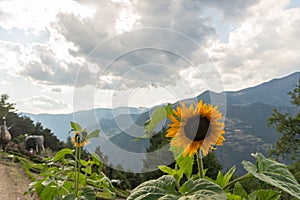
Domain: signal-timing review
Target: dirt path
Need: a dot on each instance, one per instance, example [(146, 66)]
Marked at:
[(13, 181)]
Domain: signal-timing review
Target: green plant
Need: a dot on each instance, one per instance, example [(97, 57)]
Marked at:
[(174, 186), (68, 177)]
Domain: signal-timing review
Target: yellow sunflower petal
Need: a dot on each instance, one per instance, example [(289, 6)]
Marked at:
[(181, 139)]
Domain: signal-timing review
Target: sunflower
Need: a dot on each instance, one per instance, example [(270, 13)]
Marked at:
[(196, 128), (79, 140)]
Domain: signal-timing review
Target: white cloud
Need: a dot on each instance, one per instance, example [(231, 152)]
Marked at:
[(265, 44), (119, 57), (35, 16), (52, 44), (37, 103)]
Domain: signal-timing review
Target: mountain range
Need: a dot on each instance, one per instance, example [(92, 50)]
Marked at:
[(246, 127)]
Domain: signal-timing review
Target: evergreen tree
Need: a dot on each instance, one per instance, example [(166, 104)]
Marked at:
[(288, 125), (21, 125), (5, 107)]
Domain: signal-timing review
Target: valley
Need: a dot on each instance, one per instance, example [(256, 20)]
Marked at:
[(246, 127)]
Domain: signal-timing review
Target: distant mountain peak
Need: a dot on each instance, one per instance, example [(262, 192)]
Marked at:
[(273, 92)]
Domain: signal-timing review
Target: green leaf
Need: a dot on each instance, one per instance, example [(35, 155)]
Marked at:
[(82, 179), (94, 134), (185, 164), (273, 173), (87, 170), (84, 163), (155, 189), (164, 188), (106, 195), (70, 197), (39, 187), (239, 190), (264, 195), (169, 109), (167, 170), (50, 192), (229, 174), (223, 180), (61, 154), (88, 193), (75, 126), (158, 115), (233, 197), (67, 185), (202, 189), (97, 161)]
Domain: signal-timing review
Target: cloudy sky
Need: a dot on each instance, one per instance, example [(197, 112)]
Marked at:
[(63, 56)]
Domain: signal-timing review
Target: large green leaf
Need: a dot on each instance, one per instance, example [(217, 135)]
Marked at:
[(202, 189), (61, 154), (158, 115), (155, 189), (273, 173), (164, 188), (185, 164), (264, 195)]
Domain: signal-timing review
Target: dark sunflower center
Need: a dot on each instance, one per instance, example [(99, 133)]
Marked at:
[(196, 128)]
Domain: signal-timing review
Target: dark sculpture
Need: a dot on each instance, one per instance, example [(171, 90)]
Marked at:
[(5, 136), (34, 143)]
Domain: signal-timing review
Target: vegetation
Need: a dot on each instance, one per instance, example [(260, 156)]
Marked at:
[(288, 125), (199, 186), (75, 174), (158, 141), (21, 125), (67, 176)]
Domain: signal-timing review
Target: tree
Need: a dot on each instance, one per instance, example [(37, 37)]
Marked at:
[(5, 107), (288, 125), (21, 125)]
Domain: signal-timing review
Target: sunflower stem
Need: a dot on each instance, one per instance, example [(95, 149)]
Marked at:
[(200, 164), (77, 169)]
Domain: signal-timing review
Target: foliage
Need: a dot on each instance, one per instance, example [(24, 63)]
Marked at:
[(159, 114), (294, 169), (273, 173), (67, 176), (165, 188), (26, 166), (21, 125), (128, 180), (266, 170), (5, 107), (288, 125), (59, 177), (180, 183)]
